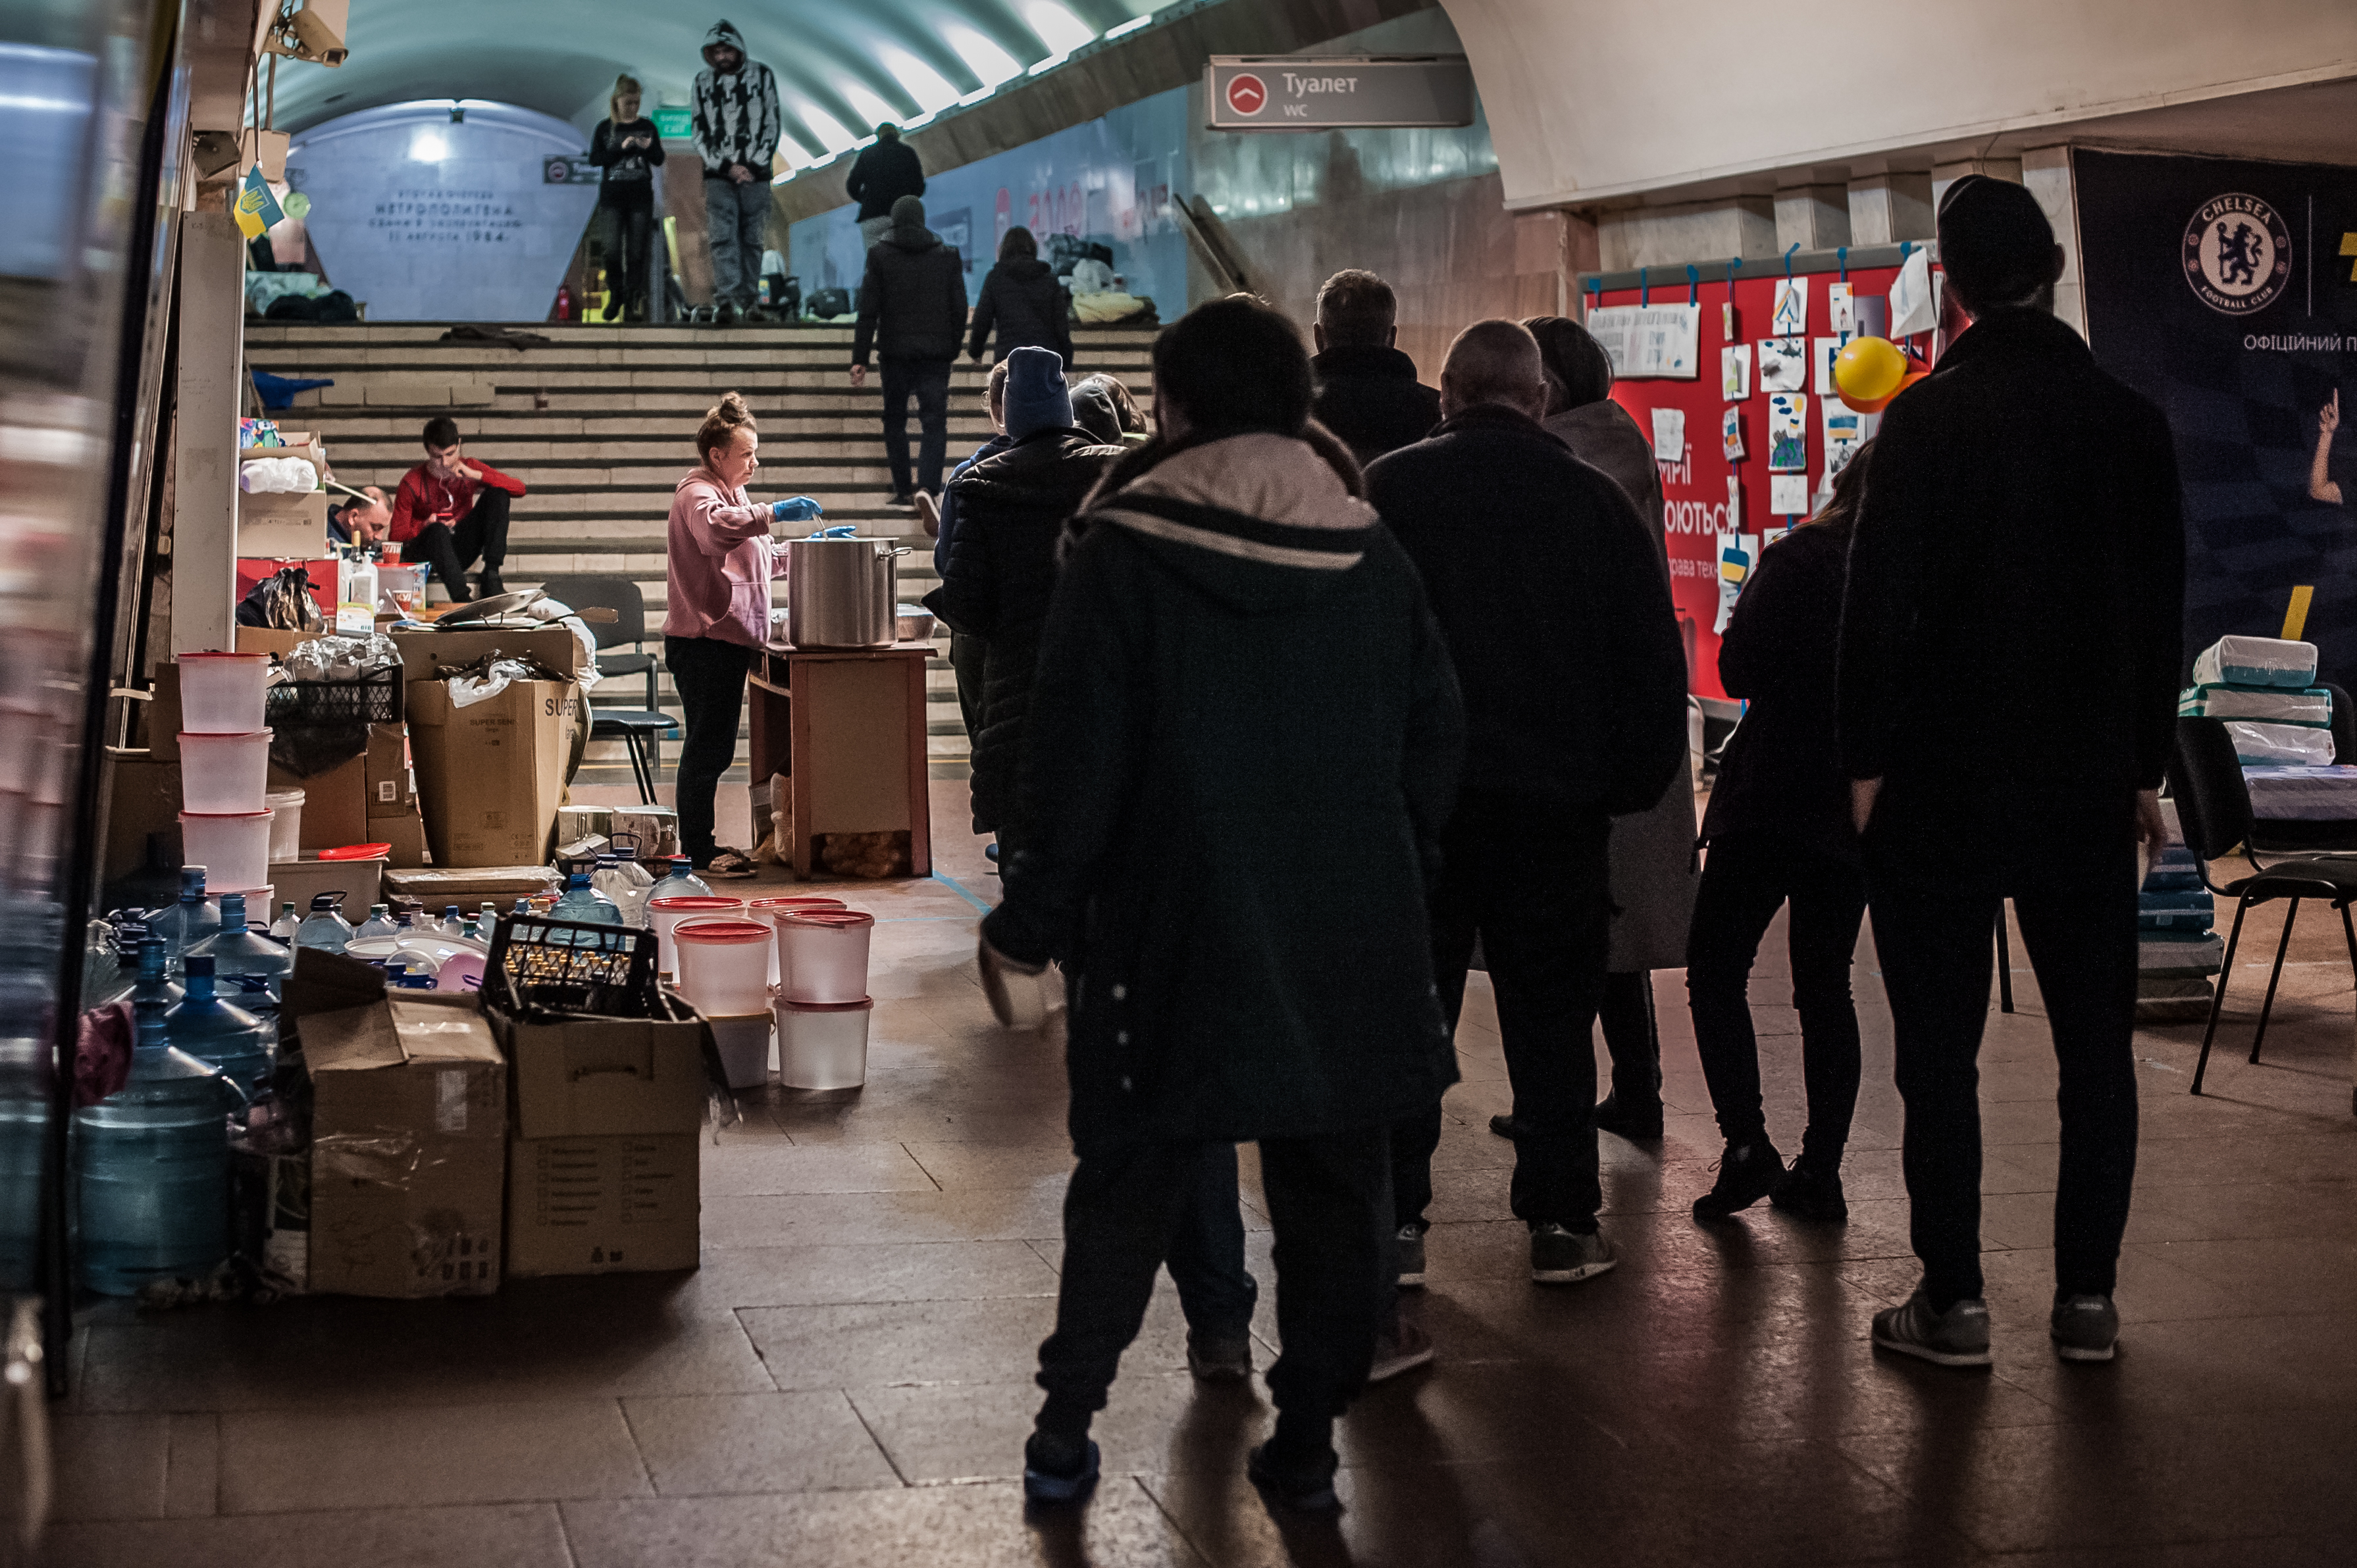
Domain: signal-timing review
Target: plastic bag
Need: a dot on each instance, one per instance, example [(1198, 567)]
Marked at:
[(2280, 746), (2256, 661), (466, 691), (277, 476)]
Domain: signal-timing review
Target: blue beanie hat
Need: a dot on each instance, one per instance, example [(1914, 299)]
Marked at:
[(1036, 397)]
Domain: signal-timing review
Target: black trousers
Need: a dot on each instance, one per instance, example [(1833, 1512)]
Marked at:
[(966, 654), (1625, 1016), (1130, 1209), (927, 381), (633, 232), (1744, 882), (709, 675), (1935, 907), (481, 534)]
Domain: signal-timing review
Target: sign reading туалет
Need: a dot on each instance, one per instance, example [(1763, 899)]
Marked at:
[(1285, 92)]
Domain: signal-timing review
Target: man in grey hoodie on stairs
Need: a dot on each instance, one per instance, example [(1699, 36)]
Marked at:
[(736, 128)]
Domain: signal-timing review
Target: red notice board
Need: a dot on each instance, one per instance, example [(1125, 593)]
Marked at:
[(1694, 491)]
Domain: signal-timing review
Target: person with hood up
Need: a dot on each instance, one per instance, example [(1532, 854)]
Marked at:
[(1367, 390), (1574, 697), (1243, 742), (1023, 302), (885, 171), (736, 130), (912, 314)]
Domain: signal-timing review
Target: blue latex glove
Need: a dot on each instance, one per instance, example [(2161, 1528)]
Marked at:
[(840, 531), (799, 508)]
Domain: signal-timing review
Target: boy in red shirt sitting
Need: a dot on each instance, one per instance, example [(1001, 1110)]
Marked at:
[(452, 510)]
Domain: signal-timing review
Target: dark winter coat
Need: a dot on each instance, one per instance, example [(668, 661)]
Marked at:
[(1370, 397), (627, 179), (1031, 309), (1243, 742), (1781, 774), (2012, 632), (915, 288), (997, 577), (1556, 609), (881, 175)]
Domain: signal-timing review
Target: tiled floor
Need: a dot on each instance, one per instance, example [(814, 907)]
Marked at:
[(845, 1380)]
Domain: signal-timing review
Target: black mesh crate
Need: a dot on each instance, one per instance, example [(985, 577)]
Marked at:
[(540, 967)]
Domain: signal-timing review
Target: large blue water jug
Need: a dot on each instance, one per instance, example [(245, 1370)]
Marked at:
[(220, 1035), (250, 969), (183, 924), (151, 1170)]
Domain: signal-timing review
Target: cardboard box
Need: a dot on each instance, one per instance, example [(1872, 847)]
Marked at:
[(409, 1138), (271, 639), (426, 654), (286, 526), (335, 804), (296, 882), (593, 1078), (406, 837), (598, 1206), (391, 777), (490, 776)]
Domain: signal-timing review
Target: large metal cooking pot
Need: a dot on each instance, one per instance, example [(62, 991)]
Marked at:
[(842, 593)]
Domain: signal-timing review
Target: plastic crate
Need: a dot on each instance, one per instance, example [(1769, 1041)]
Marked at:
[(540, 968), (373, 698)]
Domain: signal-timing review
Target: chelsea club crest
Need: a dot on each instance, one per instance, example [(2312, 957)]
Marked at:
[(2237, 254)]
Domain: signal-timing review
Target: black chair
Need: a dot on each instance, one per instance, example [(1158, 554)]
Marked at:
[(2328, 837), (2214, 807), (640, 731)]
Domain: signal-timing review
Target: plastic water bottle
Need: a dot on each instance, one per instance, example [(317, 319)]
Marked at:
[(287, 924), (103, 978), (213, 1031), (154, 990), (683, 882), (324, 928), (586, 904), (629, 899), (451, 925), (634, 879), (188, 922), (379, 922), (487, 919), (151, 1169), (248, 967)]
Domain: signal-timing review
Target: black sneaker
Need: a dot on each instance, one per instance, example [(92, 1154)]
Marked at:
[(905, 501), (488, 583), (1059, 1469), (1219, 1357), (1411, 1254), (1639, 1124), (1304, 1486), (1747, 1172), (1561, 1257), (1505, 1126), (1956, 1337), (1810, 1194), (2085, 1327)]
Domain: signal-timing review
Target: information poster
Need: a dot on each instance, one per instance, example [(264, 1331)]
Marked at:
[(1646, 341)]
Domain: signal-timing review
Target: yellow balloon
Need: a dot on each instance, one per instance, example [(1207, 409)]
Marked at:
[(1870, 370)]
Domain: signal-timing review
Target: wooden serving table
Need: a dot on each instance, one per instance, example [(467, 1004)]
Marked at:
[(847, 726)]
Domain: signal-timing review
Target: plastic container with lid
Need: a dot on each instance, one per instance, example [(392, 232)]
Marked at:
[(723, 966), (225, 773), (771, 908), (822, 1045), (822, 954), (744, 1046), (221, 694), (233, 848), (664, 913), (285, 824)]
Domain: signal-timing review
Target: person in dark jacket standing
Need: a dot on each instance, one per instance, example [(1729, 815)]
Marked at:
[(628, 149), (884, 172), (1367, 390), (1575, 714), (1011, 508), (1023, 301), (912, 312), (1244, 741), (940, 520), (1778, 831), (735, 129), (2010, 647)]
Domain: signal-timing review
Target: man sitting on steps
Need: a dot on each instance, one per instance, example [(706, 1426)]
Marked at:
[(452, 510)]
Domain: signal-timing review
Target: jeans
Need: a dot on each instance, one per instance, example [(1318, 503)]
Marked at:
[(737, 219), (1936, 907), (633, 233), (709, 676), (1129, 1209), (928, 380), (1744, 882), (481, 534)]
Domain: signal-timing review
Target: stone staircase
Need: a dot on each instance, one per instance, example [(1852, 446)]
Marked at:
[(600, 425)]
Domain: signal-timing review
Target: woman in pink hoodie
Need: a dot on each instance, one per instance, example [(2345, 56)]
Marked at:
[(721, 559)]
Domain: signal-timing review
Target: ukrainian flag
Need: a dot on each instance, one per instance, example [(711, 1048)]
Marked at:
[(256, 209)]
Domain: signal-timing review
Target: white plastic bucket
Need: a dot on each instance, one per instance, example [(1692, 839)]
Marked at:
[(744, 1044), (824, 955), (220, 774), (822, 1045), (771, 908), (234, 849), (722, 969), (665, 914), (221, 694), (286, 823)]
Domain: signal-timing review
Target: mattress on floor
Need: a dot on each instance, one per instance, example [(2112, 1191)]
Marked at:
[(2302, 794)]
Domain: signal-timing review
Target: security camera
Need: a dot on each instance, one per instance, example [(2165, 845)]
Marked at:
[(315, 33)]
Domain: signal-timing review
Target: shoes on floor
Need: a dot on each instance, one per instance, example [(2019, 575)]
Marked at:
[(1956, 1337), (488, 583), (1637, 1124), (1806, 1193), (1561, 1257), (1059, 1469), (1505, 1126), (734, 865), (2085, 1327), (725, 316), (1411, 1254), (1304, 1486), (1399, 1348), (929, 512), (903, 500), (1219, 1357), (1747, 1172)]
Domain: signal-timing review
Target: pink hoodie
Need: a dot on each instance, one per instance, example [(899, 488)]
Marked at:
[(721, 560)]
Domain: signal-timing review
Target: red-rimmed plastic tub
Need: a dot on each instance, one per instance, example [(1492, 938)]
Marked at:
[(664, 913), (221, 694), (822, 1045), (771, 908), (233, 847), (225, 774), (822, 955), (722, 967)]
